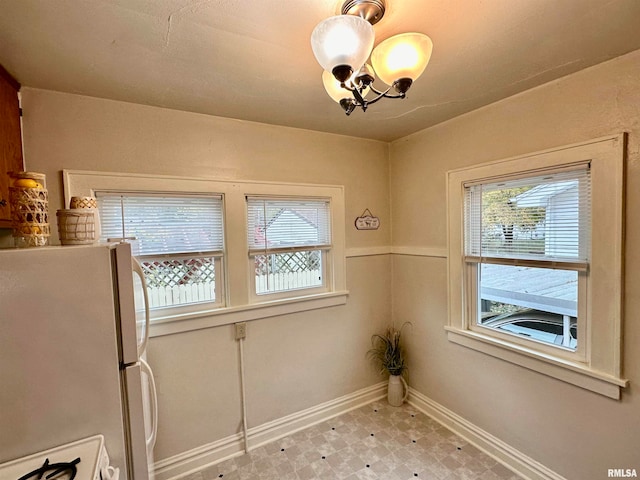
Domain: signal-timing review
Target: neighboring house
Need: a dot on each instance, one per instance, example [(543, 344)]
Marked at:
[(288, 228), (288, 235), (560, 200)]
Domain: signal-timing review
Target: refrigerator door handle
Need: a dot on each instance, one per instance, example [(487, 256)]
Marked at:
[(137, 268), (137, 456), (153, 394)]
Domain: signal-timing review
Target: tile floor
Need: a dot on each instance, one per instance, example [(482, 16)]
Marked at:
[(376, 441)]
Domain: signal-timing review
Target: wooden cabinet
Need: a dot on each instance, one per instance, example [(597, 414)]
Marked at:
[(10, 140)]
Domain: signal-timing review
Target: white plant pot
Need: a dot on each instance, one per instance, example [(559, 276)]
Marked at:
[(398, 391)]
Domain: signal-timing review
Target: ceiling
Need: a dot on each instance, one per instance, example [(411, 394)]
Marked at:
[(252, 59)]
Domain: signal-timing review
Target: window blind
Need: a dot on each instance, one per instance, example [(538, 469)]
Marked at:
[(546, 218), (287, 224), (163, 223)]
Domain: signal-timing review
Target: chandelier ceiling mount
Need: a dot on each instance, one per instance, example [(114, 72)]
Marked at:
[(371, 10)]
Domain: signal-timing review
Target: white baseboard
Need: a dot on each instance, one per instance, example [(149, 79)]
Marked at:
[(511, 458), (177, 466)]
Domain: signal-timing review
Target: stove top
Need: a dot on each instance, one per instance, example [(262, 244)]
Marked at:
[(81, 460)]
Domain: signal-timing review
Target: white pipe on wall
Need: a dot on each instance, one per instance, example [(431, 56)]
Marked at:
[(243, 396)]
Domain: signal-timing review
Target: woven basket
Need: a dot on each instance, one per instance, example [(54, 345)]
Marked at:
[(29, 216), (83, 202), (77, 226)]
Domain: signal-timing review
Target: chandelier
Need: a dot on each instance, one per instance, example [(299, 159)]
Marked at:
[(342, 44)]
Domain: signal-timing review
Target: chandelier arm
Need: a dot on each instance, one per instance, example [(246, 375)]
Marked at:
[(380, 95), (385, 94), (374, 100), (360, 99), (400, 95), (376, 91)]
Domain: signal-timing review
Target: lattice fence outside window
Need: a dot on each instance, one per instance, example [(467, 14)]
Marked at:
[(289, 270), (289, 262), (179, 281)]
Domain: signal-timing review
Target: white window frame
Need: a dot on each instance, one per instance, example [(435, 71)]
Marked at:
[(238, 303), (471, 274), (597, 365), (327, 264), (184, 309)]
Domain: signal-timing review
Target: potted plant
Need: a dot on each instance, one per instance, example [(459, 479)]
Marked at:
[(388, 353)]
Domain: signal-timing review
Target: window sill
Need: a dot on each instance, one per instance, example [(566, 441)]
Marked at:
[(571, 372), (173, 324)]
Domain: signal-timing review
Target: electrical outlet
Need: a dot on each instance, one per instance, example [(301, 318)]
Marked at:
[(241, 330)]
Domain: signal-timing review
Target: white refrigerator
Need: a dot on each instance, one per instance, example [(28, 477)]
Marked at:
[(70, 354)]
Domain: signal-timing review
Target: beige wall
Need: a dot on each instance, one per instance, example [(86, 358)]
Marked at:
[(574, 432), (84, 133), (293, 362)]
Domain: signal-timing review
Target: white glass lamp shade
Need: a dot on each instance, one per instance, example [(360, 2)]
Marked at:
[(335, 90), (342, 40), (401, 56)]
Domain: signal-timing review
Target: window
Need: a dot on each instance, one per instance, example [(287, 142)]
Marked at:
[(526, 254), (289, 240), (533, 241), (290, 259), (178, 240)]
